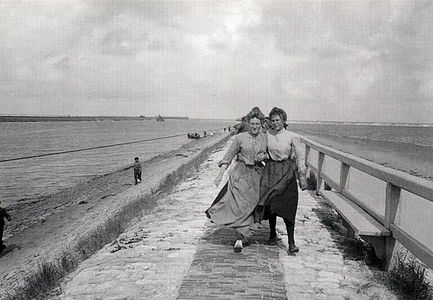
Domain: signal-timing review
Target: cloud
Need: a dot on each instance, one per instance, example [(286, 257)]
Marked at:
[(319, 60)]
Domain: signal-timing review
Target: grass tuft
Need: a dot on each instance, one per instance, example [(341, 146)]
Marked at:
[(407, 278)]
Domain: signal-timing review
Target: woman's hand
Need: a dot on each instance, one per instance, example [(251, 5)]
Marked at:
[(303, 182), (262, 157), (217, 180)]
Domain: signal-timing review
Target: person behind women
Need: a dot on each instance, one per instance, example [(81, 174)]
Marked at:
[(235, 204), (279, 191)]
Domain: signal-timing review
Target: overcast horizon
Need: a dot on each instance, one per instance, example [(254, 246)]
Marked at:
[(365, 61)]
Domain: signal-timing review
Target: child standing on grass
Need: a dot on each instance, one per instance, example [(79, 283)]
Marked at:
[(137, 170), (3, 214)]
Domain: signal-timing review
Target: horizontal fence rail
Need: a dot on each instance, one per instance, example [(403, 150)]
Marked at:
[(396, 182)]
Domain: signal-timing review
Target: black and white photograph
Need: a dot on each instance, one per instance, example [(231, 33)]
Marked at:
[(185, 149)]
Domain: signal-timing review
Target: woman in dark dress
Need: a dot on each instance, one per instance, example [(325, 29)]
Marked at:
[(278, 187), (236, 202)]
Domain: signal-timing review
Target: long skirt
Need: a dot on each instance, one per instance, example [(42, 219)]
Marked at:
[(279, 192), (235, 204)]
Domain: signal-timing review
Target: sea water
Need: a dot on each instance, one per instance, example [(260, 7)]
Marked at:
[(26, 180)]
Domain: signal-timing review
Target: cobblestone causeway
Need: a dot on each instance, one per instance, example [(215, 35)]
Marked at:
[(174, 252), (321, 270), (149, 260), (217, 272)]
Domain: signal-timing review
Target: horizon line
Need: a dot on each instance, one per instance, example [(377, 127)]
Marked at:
[(177, 116)]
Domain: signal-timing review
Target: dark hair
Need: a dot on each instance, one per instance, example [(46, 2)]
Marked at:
[(255, 113), (136, 158), (278, 111)]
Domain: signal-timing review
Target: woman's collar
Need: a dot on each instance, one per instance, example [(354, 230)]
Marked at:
[(274, 132), (258, 133)]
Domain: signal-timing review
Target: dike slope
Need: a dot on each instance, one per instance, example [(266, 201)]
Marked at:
[(70, 226)]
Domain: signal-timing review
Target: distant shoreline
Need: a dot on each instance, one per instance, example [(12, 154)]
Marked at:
[(82, 118), (395, 124)]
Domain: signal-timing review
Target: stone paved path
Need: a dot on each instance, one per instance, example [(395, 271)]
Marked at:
[(329, 266), (174, 252), (217, 272)]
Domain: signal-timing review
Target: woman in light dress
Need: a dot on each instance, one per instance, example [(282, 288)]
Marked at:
[(278, 189), (235, 204)]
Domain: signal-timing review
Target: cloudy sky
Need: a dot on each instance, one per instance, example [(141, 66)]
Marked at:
[(343, 61)]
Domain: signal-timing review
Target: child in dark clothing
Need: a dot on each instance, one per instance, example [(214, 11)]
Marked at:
[(3, 214), (137, 170)]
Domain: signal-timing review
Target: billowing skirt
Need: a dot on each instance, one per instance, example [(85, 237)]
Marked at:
[(279, 192), (235, 204)]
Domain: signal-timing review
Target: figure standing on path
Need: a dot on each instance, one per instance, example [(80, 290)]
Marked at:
[(3, 214), (235, 204), (137, 170), (278, 188)]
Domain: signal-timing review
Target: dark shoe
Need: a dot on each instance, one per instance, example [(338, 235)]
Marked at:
[(293, 249), (238, 246), (272, 241), (246, 242)]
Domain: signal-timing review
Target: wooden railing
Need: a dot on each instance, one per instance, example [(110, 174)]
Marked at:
[(395, 180)]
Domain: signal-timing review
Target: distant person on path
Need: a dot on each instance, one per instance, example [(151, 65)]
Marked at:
[(278, 189), (235, 204), (137, 170), (3, 215)]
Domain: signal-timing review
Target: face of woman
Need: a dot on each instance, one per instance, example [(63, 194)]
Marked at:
[(277, 122), (255, 126)]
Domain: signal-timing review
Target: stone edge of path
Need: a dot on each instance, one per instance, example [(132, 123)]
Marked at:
[(83, 241)]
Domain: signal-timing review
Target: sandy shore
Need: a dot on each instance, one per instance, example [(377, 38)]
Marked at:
[(46, 230)]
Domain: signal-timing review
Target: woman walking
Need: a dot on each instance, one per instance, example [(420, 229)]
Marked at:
[(236, 202), (279, 191)]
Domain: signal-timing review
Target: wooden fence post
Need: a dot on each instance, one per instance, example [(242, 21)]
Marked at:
[(344, 172), (391, 207), (321, 158)]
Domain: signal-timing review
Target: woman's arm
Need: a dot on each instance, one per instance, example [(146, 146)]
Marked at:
[(300, 161), (227, 159), (219, 177)]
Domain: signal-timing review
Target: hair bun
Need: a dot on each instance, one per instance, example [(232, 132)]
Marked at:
[(280, 112), (256, 113)]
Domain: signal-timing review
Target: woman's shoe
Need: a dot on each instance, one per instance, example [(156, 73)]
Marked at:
[(246, 242), (272, 241), (238, 246), (293, 249)]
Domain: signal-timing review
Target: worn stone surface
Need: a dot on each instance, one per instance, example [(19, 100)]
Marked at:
[(322, 269), (149, 260), (217, 271), (174, 252)]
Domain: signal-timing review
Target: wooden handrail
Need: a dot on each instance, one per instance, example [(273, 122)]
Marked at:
[(415, 185), (395, 181)]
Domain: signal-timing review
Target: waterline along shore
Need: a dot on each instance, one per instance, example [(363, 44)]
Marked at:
[(90, 215)]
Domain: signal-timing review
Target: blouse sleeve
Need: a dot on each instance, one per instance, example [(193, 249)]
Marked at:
[(234, 149), (300, 157)]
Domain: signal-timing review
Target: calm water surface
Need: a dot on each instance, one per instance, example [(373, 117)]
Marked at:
[(29, 179)]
